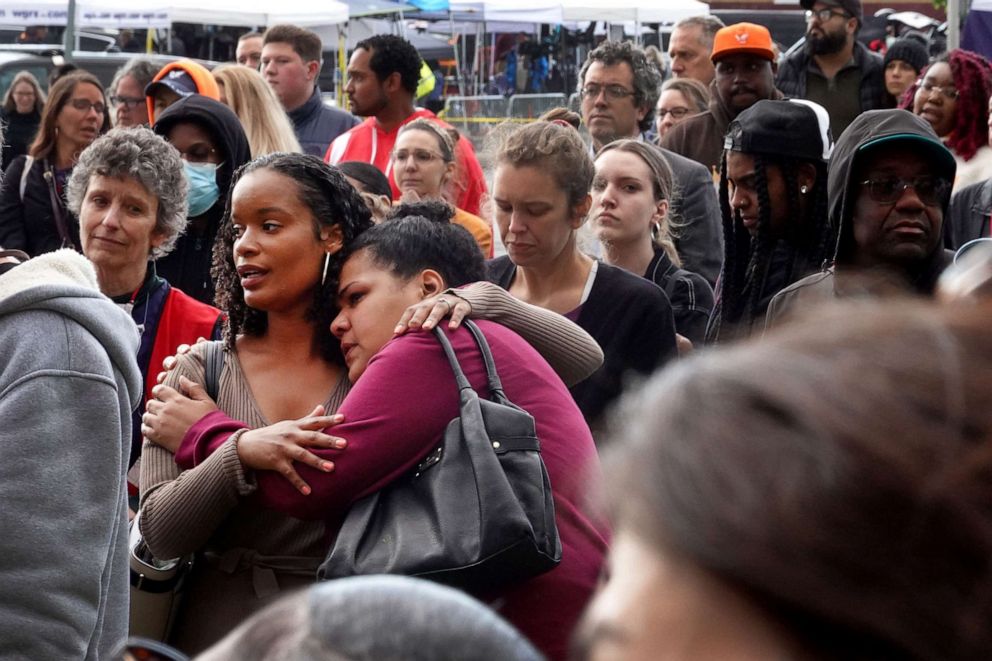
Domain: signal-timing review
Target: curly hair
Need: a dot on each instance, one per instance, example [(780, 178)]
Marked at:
[(972, 76), (333, 202), (555, 149), (39, 94), (148, 159), (647, 79), (810, 237), (393, 54), (663, 188)]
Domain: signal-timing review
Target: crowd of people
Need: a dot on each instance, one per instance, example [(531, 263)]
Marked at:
[(729, 301)]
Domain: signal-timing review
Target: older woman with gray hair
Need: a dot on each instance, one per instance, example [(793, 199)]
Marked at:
[(129, 192)]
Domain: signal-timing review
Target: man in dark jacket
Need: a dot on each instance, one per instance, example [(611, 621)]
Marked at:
[(834, 68), (291, 58), (213, 145), (620, 89), (745, 74), (889, 189), (970, 215)]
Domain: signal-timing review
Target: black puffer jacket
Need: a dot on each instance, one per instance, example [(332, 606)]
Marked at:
[(28, 223), (187, 267)]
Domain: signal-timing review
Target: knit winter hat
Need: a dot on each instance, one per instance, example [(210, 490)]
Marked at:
[(910, 51)]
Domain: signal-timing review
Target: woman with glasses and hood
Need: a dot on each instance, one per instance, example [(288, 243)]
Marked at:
[(773, 198), (890, 185), (213, 145)]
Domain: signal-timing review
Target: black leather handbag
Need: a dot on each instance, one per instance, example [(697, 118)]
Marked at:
[(476, 513)]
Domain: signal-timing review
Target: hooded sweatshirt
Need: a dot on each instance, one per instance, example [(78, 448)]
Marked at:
[(188, 265), (843, 191), (68, 383)]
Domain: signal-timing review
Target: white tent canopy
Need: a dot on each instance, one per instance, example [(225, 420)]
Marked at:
[(160, 13), (574, 11)]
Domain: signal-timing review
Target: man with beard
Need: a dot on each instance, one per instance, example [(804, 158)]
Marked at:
[(834, 69), (383, 73), (745, 74)]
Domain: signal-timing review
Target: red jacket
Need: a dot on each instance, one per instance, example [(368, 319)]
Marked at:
[(368, 143)]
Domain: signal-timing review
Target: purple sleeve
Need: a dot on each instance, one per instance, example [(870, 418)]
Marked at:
[(394, 415), (204, 437)]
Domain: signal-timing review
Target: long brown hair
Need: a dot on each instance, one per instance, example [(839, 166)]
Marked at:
[(662, 186), (840, 476), (24, 77), (58, 97)]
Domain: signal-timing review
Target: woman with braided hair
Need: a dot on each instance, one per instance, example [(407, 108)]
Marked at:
[(953, 96), (773, 197)]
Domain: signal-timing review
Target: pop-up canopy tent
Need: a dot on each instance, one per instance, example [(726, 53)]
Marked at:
[(161, 13)]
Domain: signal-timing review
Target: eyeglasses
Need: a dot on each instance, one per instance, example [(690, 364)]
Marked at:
[(823, 15), (129, 102), (947, 92), (419, 155), (84, 105), (676, 113), (888, 190), (613, 92)]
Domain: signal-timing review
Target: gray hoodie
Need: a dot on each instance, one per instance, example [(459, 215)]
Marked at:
[(68, 382)]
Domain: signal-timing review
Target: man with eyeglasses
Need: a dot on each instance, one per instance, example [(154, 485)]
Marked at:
[(833, 68), (619, 88), (889, 187), (127, 92), (745, 74)]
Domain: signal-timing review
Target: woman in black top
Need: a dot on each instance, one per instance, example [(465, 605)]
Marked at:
[(33, 214), (21, 115), (541, 195), (630, 198)]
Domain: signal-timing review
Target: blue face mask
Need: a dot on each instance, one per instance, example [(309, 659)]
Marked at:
[(203, 189)]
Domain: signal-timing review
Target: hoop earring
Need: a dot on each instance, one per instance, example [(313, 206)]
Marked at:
[(327, 263)]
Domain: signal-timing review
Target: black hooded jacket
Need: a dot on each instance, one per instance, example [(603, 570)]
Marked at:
[(870, 128), (188, 265)]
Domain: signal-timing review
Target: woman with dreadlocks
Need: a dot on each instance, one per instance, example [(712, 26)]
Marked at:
[(953, 96), (773, 198)]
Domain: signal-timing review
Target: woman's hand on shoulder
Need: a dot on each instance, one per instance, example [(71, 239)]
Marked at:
[(170, 414), (169, 362), (278, 446), (426, 314)]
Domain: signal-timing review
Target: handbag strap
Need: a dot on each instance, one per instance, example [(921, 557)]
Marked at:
[(57, 210), (213, 364), (495, 386)]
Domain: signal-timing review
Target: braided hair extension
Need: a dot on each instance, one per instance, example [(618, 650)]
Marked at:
[(332, 202), (972, 75), (762, 246), (747, 259)]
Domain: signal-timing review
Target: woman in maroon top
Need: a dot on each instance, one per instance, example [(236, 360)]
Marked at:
[(391, 267)]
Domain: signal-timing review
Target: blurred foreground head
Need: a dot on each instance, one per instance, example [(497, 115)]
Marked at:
[(381, 618), (824, 492)]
